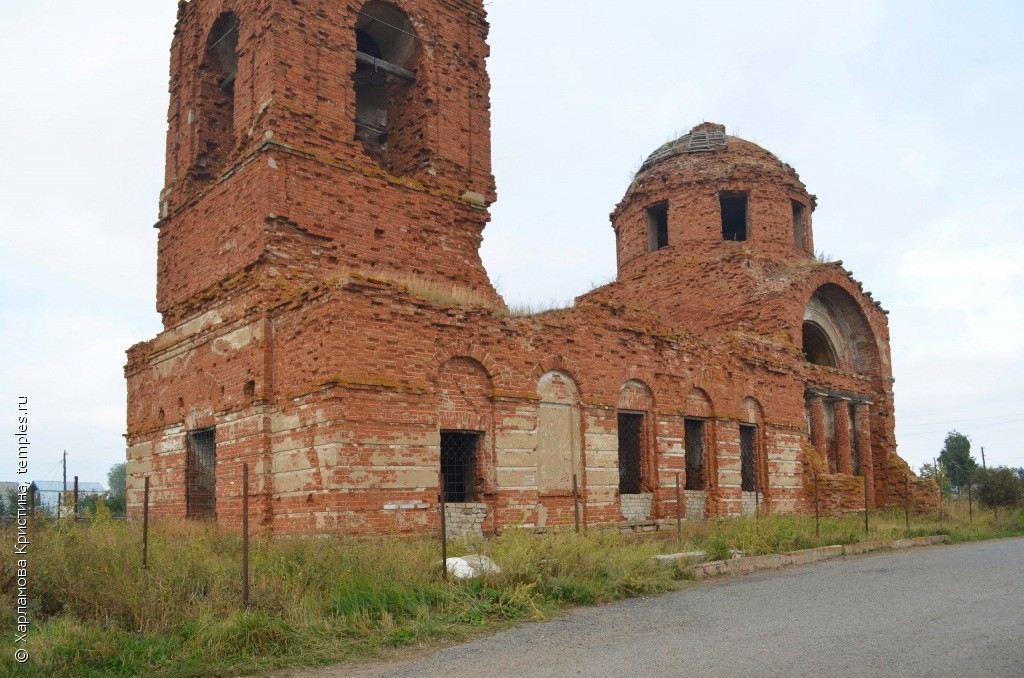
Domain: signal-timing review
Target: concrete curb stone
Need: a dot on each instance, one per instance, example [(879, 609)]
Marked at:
[(804, 557)]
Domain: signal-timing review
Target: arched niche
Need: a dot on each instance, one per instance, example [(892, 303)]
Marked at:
[(464, 401), (388, 117), (752, 453), (697, 439), (635, 443), (215, 107), (836, 333), (558, 432)]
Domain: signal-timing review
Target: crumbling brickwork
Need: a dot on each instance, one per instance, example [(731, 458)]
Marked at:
[(327, 317)]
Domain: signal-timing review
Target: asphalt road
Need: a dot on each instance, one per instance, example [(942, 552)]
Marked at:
[(937, 611)]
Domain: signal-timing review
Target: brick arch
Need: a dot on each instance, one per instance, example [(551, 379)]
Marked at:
[(464, 390), (699, 404), (751, 411), (833, 310), (560, 363), (860, 303), (495, 372), (636, 395)]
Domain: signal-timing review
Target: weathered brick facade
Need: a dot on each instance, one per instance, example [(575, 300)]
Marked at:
[(328, 320)]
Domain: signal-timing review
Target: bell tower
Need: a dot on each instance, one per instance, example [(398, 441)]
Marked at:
[(308, 140)]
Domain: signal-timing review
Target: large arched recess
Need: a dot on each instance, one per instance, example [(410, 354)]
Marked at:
[(836, 333)]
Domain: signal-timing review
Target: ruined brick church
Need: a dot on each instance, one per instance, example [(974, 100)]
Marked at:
[(328, 320)]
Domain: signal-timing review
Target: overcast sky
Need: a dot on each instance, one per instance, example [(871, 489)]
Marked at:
[(902, 117)]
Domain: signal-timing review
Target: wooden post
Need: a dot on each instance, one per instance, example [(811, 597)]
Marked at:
[(59, 498), (245, 535), (76, 498), (145, 524), (444, 533), (576, 503), (906, 499), (817, 507)]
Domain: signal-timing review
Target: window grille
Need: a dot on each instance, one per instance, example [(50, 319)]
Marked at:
[(458, 465), (631, 426), (201, 475), (694, 454), (748, 465)]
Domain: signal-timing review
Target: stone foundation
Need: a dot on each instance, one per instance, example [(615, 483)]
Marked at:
[(636, 507)]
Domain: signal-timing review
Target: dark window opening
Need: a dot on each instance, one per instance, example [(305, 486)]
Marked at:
[(201, 475), (215, 114), (458, 465), (734, 216), (631, 444), (818, 348), (748, 465), (657, 227), (798, 225), (385, 43), (694, 454)]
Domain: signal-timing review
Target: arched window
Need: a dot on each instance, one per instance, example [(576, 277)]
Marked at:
[(385, 45), (215, 109)]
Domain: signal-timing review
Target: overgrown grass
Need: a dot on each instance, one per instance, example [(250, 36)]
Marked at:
[(318, 600)]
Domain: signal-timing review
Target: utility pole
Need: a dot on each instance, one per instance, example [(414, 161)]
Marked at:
[(983, 457), (65, 470)]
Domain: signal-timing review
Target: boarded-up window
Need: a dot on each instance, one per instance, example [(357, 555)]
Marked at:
[(201, 474), (458, 465), (555, 445), (748, 446), (630, 452), (694, 454), (558, 425)]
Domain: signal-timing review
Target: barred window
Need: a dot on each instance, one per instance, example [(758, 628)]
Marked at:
[(458, 465), (748, 464), (201, 474), (694, 454)]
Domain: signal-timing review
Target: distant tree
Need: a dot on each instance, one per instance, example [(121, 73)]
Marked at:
[(956, 460), (936, 474), (9, 504), (117, 481), (998, 486)]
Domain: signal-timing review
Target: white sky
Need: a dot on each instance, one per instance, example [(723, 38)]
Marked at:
[(903, 117)]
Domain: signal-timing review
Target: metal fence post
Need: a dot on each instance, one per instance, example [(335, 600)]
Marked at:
[(576, 503), (679, 508), (444, 532), (145, 524), (76, 498), (970, 503), (245, 535), (866, 529), (817, 507), (906, 499)]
